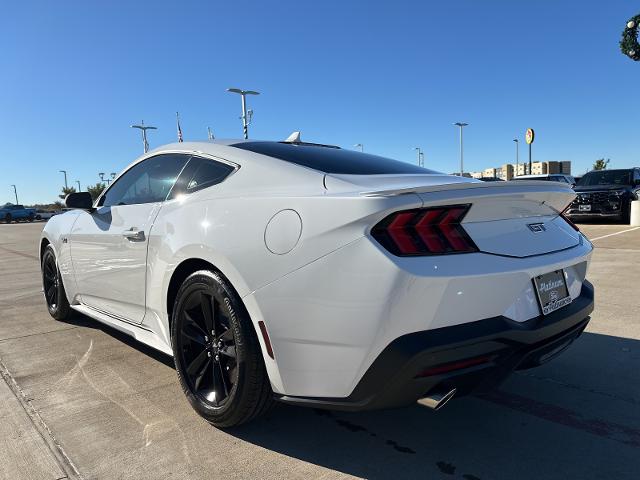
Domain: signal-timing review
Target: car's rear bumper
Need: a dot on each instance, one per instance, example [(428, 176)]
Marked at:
[(485, 352)]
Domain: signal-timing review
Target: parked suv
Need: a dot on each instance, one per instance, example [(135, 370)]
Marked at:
[(606, 193)]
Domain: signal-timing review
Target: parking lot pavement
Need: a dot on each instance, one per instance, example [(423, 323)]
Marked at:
[(114, 408)]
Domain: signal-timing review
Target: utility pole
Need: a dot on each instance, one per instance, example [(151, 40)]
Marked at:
[(421, 163), (142, 127), (360, 146), (79, 188), (209, 133), (517, 155), (246, 115), (65, 178), (15, 192), (461, 125)]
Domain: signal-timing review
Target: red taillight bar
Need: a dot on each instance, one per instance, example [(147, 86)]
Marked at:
[(425, 231)]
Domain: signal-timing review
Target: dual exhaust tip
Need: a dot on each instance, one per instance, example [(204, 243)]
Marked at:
[(438, 399)]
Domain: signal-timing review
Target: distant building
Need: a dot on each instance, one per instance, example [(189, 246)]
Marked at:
[(509, 170)]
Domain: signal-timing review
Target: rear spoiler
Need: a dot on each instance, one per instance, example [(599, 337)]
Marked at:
[(437, 189)]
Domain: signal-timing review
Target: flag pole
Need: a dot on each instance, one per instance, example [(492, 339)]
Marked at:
[(180, 139)]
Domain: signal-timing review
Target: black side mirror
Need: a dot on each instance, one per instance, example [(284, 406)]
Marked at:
[(81, 200)]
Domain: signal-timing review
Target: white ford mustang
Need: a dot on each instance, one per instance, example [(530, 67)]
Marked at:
[(319, 276)]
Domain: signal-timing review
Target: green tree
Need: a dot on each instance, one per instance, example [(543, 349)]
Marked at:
[(96, 190), (66, 191), (601, 164)]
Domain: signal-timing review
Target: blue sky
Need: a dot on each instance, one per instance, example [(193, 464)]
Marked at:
[(390, 75)]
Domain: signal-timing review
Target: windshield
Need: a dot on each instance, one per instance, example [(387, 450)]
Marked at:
[(606, 177)]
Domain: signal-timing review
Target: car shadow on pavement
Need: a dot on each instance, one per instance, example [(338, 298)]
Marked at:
[(575, 417), (80, 320), (547, 422)]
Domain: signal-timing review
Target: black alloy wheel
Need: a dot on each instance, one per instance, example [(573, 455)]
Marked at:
[(54, 293), (216, 352), (208, 347)]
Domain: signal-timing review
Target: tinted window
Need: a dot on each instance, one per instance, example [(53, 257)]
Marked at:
[(146, 182), (606, 177), (331, 160), (200, 173)]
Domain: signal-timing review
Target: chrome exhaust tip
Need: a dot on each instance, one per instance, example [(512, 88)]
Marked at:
[(438, 399)]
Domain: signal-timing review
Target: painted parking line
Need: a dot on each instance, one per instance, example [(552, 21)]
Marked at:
[(612, 234)]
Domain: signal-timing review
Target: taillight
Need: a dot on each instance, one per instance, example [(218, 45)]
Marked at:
[(425, 231)]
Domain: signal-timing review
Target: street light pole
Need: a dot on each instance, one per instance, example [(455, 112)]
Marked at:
[(65, 178), (418, 153), (142, 127), (246, 115), (15, 192), (517, 155), (79, 187), (461, 125), (360, 146)]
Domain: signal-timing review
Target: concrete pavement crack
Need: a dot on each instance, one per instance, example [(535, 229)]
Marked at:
[(40, 425)]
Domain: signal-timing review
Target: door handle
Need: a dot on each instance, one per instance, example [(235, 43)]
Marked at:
[(134, 235)]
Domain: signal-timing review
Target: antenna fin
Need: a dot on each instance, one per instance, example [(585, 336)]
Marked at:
[(293, 138)]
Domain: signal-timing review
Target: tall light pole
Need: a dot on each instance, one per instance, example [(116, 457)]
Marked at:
[(15, 192), (461, 125), (360, 146), (79, 187), (246, 115), (209, 133), (65, 178), (422, 159), (143, 128), (418, 153), (517, 155)]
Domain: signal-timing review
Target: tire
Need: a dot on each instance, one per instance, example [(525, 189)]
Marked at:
[(31, 218), (8, 218), (222, 375), (54, 293), (38, 217)]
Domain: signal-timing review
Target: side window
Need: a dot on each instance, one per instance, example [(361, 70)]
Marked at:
[(201, 173), (636, 176), (149, 181)]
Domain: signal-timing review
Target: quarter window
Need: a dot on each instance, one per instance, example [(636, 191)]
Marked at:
[(149, 181), (200, 173)]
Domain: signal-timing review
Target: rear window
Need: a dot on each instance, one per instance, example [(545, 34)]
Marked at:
[(332, 159), (606, 177)]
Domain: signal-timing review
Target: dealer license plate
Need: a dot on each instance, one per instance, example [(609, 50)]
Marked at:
[(552, 291)]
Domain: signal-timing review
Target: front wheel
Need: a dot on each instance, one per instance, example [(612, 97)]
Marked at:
[(8, 218), (217, 353), (54, 293)]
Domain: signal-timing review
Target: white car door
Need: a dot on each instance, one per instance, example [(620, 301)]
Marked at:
[(109, 246)]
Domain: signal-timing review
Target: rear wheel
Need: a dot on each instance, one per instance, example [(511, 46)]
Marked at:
[(31, 218), (54, 293), (8, 218), (216, 352)]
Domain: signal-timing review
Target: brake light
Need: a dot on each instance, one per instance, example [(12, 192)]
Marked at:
[(425, 231)]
